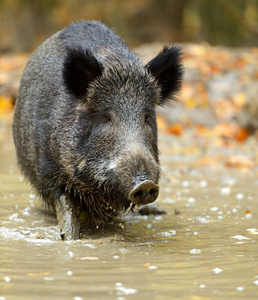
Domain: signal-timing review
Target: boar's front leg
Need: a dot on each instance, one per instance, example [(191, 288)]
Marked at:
[(67, 218)]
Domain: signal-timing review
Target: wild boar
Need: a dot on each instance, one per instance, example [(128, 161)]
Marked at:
[(85, 127)]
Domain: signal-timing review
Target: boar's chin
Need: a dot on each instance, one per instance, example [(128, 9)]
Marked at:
[(98, 204)]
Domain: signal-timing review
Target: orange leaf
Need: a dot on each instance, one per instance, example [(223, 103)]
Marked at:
[(175, 129), (242, 134), (215, 69), (162, 123), (208, 161), (5, 104), (240, 162), (224, 130), (89, 258)]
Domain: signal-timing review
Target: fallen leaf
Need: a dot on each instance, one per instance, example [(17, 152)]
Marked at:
[(89, 258), (175, 129), (242, 134), (225, 130), (207, 160), (161, 123), (240, 162), (5, 104), (39, 274), (146, 265)]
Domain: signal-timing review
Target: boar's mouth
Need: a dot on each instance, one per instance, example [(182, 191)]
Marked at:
[(101, 203), (144, 192)]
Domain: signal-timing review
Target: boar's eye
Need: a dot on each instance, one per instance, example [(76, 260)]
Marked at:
[(107, 117), (147, 118)]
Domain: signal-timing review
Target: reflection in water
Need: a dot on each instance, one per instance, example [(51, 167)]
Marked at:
[(205, 247)]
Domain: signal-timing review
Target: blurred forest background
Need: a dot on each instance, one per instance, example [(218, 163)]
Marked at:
[(220, 52), (24, 24), (216, 118)]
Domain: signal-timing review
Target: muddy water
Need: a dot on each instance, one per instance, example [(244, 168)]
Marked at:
[(205, 247)]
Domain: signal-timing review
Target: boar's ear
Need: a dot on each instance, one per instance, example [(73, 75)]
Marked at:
[(167, 68), (80, 68)]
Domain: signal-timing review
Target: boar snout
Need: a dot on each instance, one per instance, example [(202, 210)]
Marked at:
[(144, 192)]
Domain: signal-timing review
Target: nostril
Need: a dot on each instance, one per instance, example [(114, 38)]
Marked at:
[(153, 192), (138, 194)]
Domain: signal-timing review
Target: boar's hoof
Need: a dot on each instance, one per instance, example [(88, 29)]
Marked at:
[(67, 219), (145, 192)]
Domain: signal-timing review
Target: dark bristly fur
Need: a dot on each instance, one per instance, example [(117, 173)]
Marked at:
[(84, 125), (80, 68), (168, 71)]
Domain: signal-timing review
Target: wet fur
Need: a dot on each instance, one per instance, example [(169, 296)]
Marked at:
[(64, 143)]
